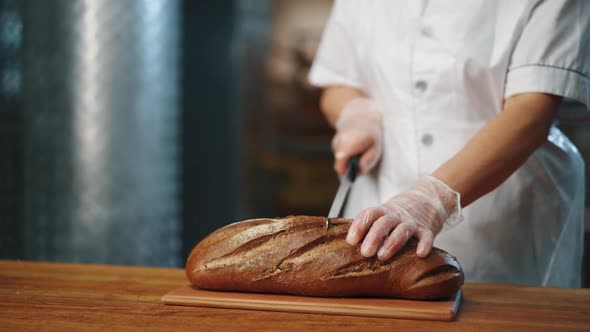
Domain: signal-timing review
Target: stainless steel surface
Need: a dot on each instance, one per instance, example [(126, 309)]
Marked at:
[(11, 48), (11, 30), (100, 131)]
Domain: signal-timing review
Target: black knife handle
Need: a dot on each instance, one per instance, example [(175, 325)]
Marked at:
[(353, 167)]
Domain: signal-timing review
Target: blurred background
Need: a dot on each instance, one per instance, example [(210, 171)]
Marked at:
[(131, 129)]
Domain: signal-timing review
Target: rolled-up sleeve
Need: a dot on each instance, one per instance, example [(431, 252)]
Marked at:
[(336, 62), (552, 54)]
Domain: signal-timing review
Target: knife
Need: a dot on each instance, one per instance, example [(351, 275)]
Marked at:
[(345, 184)]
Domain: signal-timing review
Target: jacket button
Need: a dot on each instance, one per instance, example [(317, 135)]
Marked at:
[(427, 140), (426, 31), (420, 86)]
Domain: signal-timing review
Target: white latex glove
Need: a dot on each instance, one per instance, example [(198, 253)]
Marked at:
[(359, 130), (419, 212)]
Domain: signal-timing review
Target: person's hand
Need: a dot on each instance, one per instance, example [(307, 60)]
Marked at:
[(359, 130), (419, 212)]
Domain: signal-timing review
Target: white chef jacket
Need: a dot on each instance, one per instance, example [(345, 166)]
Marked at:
[(440, 70)]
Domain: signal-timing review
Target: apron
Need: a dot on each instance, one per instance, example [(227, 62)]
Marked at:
[(438, 83)]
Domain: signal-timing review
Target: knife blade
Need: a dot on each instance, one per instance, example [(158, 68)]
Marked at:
[(343, 190)]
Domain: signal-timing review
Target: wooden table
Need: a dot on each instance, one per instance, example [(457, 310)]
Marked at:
[(53, 296)]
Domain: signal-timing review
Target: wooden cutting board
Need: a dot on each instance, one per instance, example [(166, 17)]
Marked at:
[(444, 310)]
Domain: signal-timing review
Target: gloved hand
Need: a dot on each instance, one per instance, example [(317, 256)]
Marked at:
[(421, 212), (359, 130)]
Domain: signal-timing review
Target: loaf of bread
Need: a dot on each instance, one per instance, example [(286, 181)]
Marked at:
[(295, 255)]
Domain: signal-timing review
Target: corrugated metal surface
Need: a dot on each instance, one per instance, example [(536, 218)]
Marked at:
[(10, 121), (100, 131)]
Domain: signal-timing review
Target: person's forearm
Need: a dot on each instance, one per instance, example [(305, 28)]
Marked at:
[(500, 147), (335, 98)]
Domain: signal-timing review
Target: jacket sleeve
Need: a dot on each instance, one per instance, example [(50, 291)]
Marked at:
[(552, 54), (336, 61)]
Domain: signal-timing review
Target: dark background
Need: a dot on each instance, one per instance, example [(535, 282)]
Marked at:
[(237, 157), (208, 122)]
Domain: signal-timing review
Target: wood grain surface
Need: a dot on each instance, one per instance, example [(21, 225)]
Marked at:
[(444, 310), (60, 297)]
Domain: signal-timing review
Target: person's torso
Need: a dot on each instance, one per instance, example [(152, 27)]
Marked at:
[(438, 70)]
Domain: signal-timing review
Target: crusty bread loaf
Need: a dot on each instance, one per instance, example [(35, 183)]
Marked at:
[(294, 255)]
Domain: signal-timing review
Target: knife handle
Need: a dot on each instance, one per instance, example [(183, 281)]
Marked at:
[(353, 167)]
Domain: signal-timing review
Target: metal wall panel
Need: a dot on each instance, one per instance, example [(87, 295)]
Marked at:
[(101, 131), (10, 124)]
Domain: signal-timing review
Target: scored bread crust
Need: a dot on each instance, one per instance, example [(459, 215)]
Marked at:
[(295, 255)]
